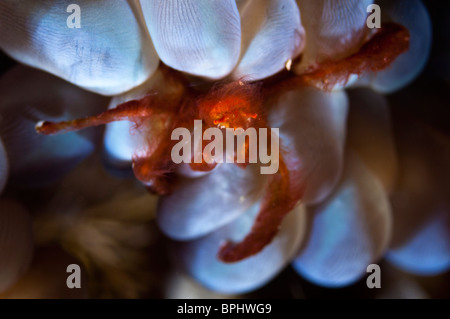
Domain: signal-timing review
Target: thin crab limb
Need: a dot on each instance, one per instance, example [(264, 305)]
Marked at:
[(239, 106), (129, 111), (377, 54), (154, 172), (283, 194)]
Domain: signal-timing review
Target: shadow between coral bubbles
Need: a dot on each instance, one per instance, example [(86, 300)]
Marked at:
[(427, 98)]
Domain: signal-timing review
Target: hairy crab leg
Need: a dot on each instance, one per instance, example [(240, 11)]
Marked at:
[(377, 54)]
